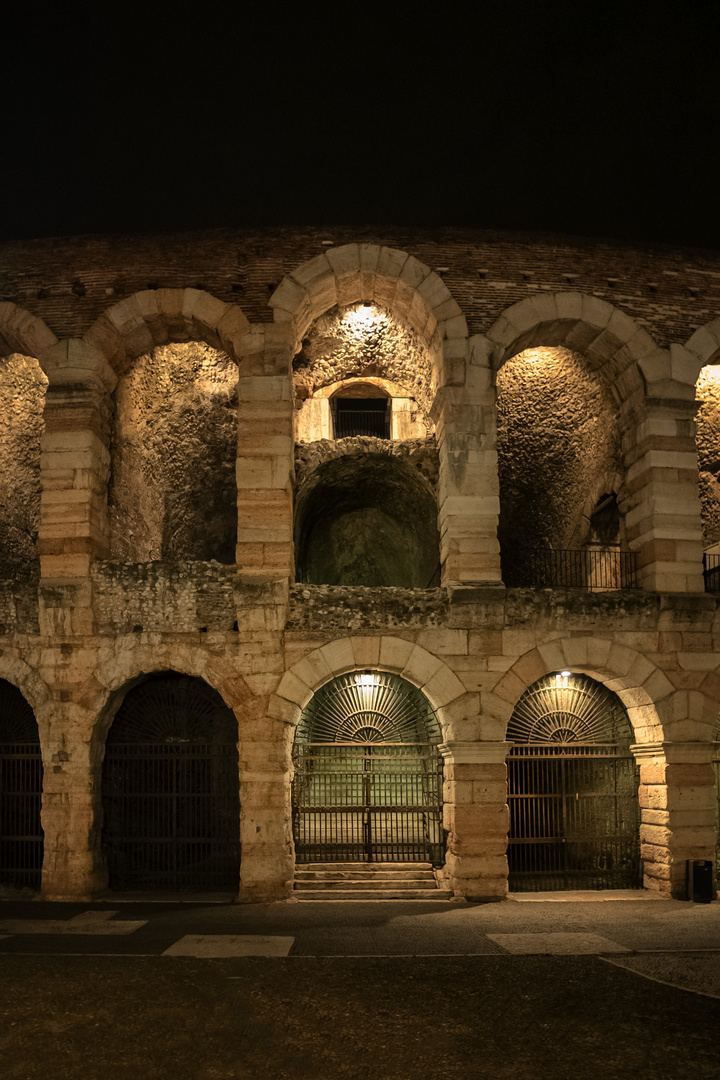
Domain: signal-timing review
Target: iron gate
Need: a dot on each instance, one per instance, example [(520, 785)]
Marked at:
[(574, 818), (368, 802), (21, 835), (171, 789)]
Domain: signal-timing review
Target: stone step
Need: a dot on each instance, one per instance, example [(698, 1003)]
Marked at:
[(374, 894), (379, 885), (376, 867), (362, 875)]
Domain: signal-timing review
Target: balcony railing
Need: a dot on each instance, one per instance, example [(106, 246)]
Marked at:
[(711, 572), (596, 570)]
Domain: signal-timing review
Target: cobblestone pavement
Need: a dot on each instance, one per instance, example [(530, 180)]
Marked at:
[(393, 991)]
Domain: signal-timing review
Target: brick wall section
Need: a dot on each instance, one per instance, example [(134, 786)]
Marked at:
[(69, 282)]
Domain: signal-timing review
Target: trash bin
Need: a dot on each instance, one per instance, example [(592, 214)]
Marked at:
[(700, 880)]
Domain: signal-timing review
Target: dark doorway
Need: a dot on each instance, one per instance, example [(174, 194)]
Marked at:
[(171, 791), (368, 774), (572, 789), (21, 779)]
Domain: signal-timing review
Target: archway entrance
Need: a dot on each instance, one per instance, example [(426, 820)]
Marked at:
[(368, 773), (171, 789), (21, 779), (572, 789)]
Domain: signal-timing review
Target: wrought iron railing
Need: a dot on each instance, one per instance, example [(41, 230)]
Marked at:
[(711, 572), (596, 569)]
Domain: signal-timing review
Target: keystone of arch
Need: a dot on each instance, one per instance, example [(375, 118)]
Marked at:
[(154, 317), (644, 689), (421, 668), (353, 272), (604, 334), (21, 332)]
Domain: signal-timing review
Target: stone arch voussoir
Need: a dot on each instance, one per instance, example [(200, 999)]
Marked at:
[(613, 343), (393, 279), (159, 316), (440, 685), (22, 332), (33, 688), (644, 689), (704, 345)]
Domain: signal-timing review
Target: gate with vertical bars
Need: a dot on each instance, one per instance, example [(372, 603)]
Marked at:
[(368, 774), (572, 789), (21, 780)]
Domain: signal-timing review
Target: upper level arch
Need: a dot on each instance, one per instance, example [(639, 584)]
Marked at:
[(21, 332), (138, 323), (613, 344), (385, 276)]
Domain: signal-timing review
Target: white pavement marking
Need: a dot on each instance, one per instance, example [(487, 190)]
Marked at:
[(219, 945), (87, 922), (562, 944)]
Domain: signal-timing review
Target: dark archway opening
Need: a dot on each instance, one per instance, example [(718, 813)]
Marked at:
[(368, 773), (21, 780), (369, 520), (171, 790), (572, 789)]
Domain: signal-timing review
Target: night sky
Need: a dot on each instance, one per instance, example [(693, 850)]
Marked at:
[(590, 119)]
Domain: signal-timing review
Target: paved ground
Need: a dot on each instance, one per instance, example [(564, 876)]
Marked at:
[(533, 987)]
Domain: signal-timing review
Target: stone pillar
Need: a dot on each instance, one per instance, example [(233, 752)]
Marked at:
[(662, 512), (267, 863), (477, 818), (265, 462), (73, 868), (678, 811)]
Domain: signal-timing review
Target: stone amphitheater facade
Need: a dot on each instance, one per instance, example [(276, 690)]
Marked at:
[(107, 578)]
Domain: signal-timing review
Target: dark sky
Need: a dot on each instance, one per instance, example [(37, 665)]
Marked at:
[(595, 118)]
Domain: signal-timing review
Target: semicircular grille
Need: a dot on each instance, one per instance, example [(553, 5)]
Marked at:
[(17, 720), (173, 709), (366, 707), (568, 709)]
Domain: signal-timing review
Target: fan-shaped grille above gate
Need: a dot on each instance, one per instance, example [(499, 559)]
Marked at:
[(569, 708), (369, 706), (368, 773)]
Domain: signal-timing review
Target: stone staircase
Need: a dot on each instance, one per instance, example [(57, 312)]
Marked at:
[(367, 881)]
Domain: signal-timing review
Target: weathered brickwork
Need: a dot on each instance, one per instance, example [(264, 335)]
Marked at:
[(96, 313)]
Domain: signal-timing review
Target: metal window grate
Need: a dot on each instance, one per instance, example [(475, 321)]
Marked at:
[(21, 835), (711, 573)]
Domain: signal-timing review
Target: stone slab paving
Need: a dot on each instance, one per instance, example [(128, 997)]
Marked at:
[(557, 944), (224, 945)]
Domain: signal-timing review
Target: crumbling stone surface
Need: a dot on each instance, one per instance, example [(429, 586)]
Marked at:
[(367, 518), (22, 399), (421, 454), (708, 448), (19, 607), (171, 596), (360, 341), (172, 488), (336, 607), (558, 451)]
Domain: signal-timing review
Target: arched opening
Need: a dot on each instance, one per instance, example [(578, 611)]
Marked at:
[(368, 773), (361, 409), (560, 469), (572, 789), (173, 493), (707, 437), (367, 519), (22, 401), (21, 781), (171, 789)]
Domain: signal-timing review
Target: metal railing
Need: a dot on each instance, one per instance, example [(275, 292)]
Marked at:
[(353, 422), (596, 570), (711, 572)]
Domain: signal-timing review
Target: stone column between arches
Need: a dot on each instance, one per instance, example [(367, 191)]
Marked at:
[(678, 811), (476, 818)]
